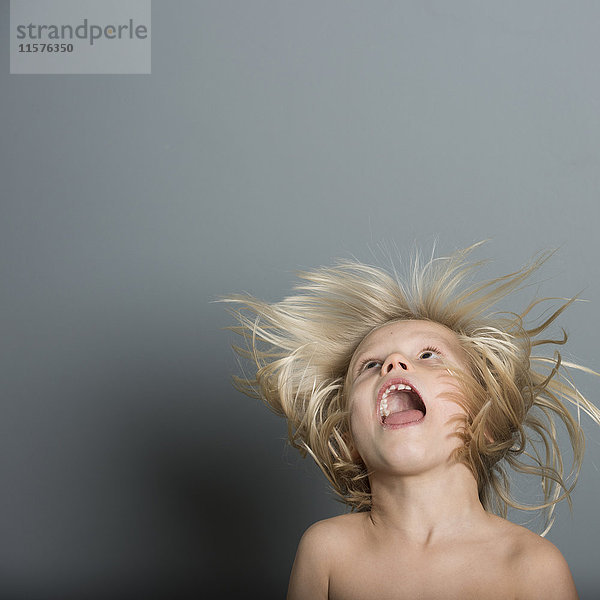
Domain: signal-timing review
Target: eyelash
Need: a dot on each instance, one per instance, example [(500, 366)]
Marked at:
[(431, 349), (366, 361)]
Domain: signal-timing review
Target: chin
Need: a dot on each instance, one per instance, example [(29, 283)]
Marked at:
[(410, 461)]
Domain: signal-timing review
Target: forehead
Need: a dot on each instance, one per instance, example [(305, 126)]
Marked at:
[(407, 331)]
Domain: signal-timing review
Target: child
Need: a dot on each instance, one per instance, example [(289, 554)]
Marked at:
[(414, 399)]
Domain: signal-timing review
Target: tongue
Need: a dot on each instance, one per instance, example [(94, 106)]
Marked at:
[(404, 407), (405, 416)]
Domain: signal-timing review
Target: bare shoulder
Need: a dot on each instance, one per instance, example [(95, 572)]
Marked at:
[(329, 537), (540, 570), (321, 543)]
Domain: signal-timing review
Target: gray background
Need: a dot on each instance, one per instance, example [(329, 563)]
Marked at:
[(271, 136)]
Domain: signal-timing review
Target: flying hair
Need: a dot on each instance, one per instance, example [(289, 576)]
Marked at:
[(514, 395)]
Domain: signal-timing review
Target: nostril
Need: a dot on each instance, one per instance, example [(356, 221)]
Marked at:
[(391, 365)]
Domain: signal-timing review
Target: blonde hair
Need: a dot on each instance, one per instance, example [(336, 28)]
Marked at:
[(302, 347)]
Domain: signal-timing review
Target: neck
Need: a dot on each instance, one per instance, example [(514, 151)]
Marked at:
[(426, 507)]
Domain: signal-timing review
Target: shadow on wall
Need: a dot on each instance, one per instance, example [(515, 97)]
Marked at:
[(177, 503)]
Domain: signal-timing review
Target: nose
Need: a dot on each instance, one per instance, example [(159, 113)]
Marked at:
[(394, 361)]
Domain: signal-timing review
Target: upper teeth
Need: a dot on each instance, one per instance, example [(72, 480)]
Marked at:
[(385, 412), (398, 386)]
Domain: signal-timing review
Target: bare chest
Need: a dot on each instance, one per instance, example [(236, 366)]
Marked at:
[(435, 576)]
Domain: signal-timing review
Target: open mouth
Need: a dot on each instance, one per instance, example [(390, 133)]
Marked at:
[(400, 404)]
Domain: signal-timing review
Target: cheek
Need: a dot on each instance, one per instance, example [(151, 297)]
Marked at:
[(361, 427), (454, 422), (356, 421), (451, 397), (353, 436), (356, 442), (353, 447)]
